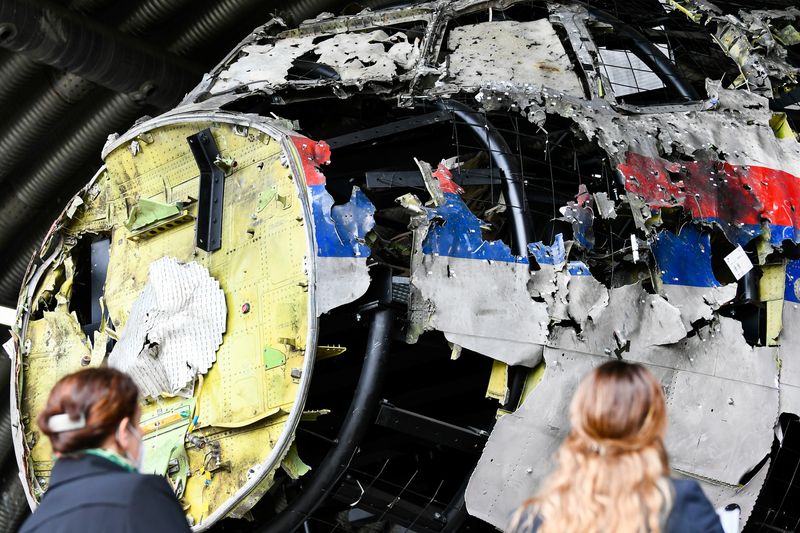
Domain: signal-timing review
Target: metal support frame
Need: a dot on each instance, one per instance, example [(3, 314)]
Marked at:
[(377, 503), (464, 439), (387, 179), (387, 130), (208, 231), (360, 417), (649, 53)]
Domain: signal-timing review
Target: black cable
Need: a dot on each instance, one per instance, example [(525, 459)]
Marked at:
[(360, 417)]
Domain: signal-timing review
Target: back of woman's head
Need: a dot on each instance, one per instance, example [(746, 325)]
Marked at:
[(618, 407), (612, 465), (86, 407)]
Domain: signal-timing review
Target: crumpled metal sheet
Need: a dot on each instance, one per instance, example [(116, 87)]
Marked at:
[(737, 198), (265, 64), (743, 496), (743, 177), (687, 279), (708, 401), (555, 254), (721, 387), (379, 52), (174, 328), (475, 314), (507, 475), (339, 232), (751, 40), (684, 259), (341, 249), (586, 296), (450, 262), (454, 231), (632, 320), (519, 52), (340, 229), (580, 214), (697, 304), (354, 56)]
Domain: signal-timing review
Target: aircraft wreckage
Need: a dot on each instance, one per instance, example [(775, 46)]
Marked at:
[(358, 272)]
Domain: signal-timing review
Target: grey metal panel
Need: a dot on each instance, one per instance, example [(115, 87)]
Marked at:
[(720, 427), (466, 307)]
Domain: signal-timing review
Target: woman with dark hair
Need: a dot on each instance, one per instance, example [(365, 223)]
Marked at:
[(613, 473), (92, 421)]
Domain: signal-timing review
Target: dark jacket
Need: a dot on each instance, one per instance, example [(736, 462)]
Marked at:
[(691, 511), (89, 494)]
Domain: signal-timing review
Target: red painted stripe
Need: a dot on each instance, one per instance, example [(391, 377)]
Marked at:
[(313, 154), (445, 178), (715, 189)]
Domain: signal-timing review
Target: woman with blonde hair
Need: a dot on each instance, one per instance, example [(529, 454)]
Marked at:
[(613, 472)]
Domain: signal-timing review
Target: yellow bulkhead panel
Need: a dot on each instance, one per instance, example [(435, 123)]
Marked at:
[(208, 443)]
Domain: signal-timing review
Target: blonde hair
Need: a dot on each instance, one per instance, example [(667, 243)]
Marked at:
[(612, 467)]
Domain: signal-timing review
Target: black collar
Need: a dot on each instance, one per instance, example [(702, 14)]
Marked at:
[(71, 467)]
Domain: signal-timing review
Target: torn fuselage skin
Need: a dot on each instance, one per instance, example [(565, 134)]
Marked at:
[(660, 225)]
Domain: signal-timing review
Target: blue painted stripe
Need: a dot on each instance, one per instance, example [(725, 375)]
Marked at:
[(456, 232), (743, 233), (685, 259), (340, 230), (792, 274), (578, 268), (549, 255)]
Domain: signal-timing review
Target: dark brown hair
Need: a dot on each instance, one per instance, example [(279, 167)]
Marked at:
[(103, 395)]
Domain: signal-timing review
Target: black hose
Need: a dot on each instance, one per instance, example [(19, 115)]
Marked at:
[(15, 73), (650, 54), (35, 120), (6, 444), (5, 411), (222, 14), (506, 161), (360, 416), (14, 268), (50, 105), (50, 176), (148, 13), (43, 183), (296, 12), (50, 35), (13, 504), (88, 6), (218, 16)]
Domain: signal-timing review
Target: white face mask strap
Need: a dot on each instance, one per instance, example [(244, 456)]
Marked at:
[(135, 432), (137, 463)]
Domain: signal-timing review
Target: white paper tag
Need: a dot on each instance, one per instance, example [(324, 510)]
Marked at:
[(7, 316), (738, 262), (635, 248), (8, 347)]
